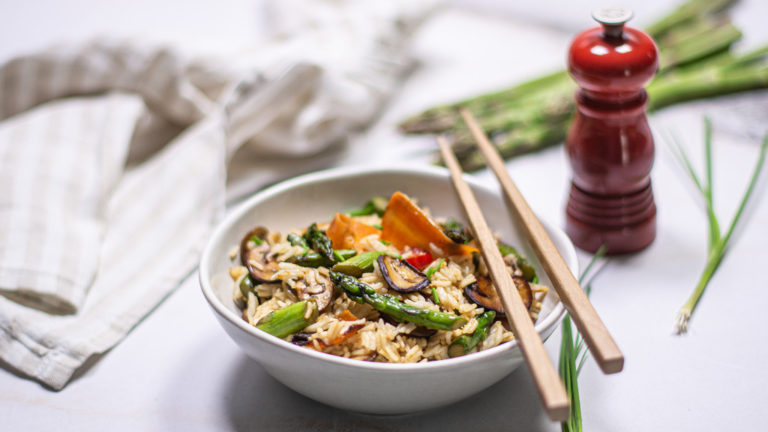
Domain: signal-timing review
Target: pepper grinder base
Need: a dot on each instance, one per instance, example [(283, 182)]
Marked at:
[(624, 223)]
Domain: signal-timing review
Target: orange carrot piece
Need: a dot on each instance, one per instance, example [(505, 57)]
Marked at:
[(405, 224), (346, 233), (347, 316), (348, 333)]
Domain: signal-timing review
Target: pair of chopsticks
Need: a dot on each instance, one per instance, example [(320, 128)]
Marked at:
[(595, 334)]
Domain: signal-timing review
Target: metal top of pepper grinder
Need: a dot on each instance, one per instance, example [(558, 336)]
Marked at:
[(612, 18)]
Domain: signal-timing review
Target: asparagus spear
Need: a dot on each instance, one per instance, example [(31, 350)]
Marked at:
[(315, 260), (290, 319), (297, 240), (730, 75), (695, 61), (703, 39), (357, 265), (386, 304), (464, 343), (319, 241), (686, 12)]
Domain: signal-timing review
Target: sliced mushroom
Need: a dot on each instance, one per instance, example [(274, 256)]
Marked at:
[(261, 266), (254, 254), (315, 286), (300, 338), (248, 243), (483, 293), (400, 275), (524, 289)]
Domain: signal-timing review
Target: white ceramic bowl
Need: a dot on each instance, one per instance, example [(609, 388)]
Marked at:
[(369, 387)]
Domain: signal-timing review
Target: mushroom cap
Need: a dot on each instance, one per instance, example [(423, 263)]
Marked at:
[(314, 286), (400, 275), (484, 294), (256, 258)]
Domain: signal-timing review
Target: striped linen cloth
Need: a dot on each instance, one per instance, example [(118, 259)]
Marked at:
[(113, 165)]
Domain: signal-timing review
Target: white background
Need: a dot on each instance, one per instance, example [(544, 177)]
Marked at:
[(178, 370)]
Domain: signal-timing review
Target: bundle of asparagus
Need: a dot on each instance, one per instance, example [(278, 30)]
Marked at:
[(696, 61)]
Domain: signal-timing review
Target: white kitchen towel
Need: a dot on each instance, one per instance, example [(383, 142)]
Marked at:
[(113, 164)]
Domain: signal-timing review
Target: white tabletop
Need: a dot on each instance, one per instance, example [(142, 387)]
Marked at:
[(179, 371)]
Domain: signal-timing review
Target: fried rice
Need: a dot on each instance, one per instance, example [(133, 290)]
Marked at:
[(350, 329)]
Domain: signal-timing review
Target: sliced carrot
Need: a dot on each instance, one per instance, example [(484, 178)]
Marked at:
[(347, 316), (346, 233), (405, 224), (348, 333)]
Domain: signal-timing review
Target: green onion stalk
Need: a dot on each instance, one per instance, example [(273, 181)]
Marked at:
[(572, 357), (717, 242)]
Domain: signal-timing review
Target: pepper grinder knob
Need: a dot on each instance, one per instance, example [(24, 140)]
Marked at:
[(612, 18), (609, 143)]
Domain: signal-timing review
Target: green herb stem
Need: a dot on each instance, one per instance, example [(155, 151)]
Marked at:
[(572, 357), (434, 268), (717, 244)]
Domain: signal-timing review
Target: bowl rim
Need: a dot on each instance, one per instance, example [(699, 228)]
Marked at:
[(348, 172)]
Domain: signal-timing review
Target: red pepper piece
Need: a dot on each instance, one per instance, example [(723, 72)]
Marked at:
[(420, 259)]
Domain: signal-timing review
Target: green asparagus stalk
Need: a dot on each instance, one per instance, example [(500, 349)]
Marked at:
[(698, 44), (297, 240), (444, 117), (685, 13), (728, 74), (319, 242), (386, 304), (465, 343), (357, 265), (290, 319), (702, 38), (314, 259), (714, 80), (695, 62)]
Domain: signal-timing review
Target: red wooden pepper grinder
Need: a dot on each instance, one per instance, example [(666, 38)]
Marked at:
[(610, 144)]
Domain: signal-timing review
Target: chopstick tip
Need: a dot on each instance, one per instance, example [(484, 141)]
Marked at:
[(612, 365), (560, 412)]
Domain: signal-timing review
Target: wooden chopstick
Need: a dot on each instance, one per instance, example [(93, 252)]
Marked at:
[(551, 390), (604, 349)]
